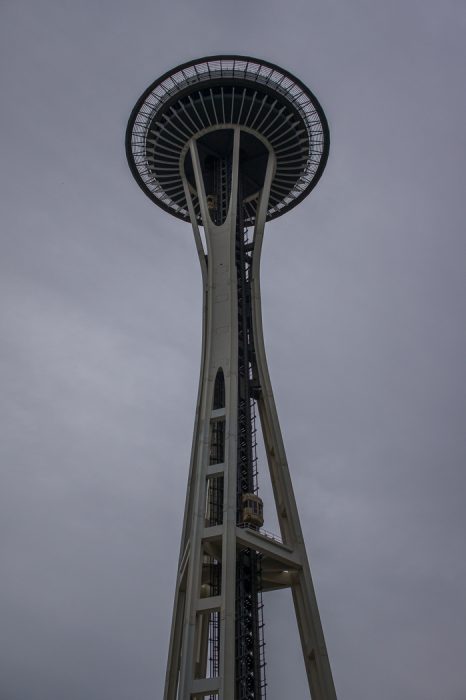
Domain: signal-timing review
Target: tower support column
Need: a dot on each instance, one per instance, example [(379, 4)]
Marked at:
[(220, 352)]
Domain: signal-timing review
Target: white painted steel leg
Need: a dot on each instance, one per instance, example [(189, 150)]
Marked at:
[(219, 351), (307, 614)]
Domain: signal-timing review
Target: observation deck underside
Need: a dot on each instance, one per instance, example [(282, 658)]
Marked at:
[(220, 92)]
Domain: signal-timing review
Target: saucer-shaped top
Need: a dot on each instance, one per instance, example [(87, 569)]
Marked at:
[(217, 93)]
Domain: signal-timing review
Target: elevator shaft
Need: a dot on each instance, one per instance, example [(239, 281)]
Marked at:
[(250, 667)]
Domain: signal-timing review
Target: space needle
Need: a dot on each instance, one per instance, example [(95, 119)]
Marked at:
[(228, 143)]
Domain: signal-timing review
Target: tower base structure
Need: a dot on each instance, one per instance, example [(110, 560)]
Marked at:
[(227, 176)]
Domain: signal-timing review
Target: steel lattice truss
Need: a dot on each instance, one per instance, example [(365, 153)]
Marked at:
[(216, 93)]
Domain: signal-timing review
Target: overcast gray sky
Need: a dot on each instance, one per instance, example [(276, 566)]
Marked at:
[(364, 290)]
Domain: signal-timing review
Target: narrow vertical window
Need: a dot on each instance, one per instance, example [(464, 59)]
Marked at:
[(217, 441), (214, 501), (219, 390)]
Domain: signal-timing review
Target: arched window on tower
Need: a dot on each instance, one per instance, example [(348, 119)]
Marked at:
[(219, 390), (214, 503)]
